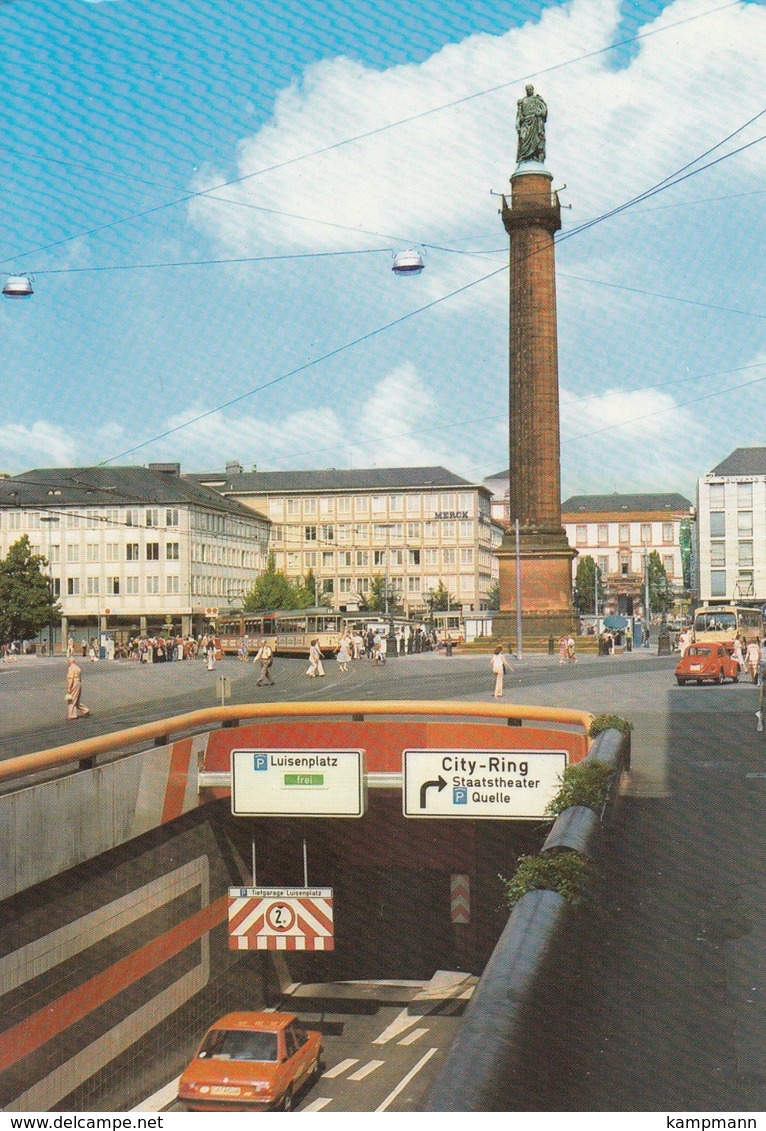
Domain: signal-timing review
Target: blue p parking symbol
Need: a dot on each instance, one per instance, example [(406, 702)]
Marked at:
[(260, 762), (459, 795)]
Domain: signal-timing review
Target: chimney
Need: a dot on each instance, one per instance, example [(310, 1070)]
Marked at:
[(233, 467)]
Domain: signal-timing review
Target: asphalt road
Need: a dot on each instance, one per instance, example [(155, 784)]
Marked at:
[(667, 1010)]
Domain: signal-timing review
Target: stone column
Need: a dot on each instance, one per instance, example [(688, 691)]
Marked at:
[(531, 217)]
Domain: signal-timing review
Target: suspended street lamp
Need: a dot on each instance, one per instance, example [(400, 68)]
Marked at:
[(18, 286), (408, 262)]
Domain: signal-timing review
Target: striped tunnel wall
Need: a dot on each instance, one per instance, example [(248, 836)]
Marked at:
[(114, 896), (95, 962)]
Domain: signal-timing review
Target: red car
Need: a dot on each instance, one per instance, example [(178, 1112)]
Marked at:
[(251, 1062), (706, 661)]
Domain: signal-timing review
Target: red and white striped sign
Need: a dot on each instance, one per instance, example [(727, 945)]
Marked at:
[(460, 898), (281, 919)]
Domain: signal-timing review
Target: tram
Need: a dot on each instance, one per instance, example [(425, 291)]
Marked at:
[(290, 631)]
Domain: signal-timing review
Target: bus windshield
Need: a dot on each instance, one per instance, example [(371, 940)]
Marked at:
[(715, 620)]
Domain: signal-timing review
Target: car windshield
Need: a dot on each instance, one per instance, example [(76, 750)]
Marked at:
[(698, 652), (240, 1044)]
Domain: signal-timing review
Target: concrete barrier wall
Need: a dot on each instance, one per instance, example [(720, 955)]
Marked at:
[(50, 827), (498, 1059)]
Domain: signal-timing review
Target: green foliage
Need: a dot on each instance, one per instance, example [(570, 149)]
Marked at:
[(609, 722), (559, 869), (26, 602), (493, 595), (587, 579), (375, 599), (274, 590), (661, 598), (584, 783), (441, 599)]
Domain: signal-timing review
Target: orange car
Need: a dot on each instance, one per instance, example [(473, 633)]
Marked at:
[(706, 661), (251, 1062)]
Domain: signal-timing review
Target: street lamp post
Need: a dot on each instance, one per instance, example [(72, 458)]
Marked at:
[(49, 519), (391, 649)]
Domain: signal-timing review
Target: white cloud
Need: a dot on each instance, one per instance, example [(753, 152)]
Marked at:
[(39, 445)]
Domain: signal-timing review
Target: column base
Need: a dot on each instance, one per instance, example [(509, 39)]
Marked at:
[(545, 560)]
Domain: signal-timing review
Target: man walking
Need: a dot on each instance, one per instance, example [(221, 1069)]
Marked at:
[(265, 657)]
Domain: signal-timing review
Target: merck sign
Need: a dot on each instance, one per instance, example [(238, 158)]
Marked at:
[(451, 514)]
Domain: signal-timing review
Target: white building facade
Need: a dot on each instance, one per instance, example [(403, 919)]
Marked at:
[(134, 550), (731, 504), (619, 532), (415, 527)]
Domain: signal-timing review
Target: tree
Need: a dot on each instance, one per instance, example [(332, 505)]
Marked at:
[(26, 600), (587, 578), (661, 599), (272, 590), (307, 593), (441, 599), (375, 599), (493, 595)]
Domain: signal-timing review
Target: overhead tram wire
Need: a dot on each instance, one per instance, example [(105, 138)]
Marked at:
[(661, 187), (669, 181), (207, 193)]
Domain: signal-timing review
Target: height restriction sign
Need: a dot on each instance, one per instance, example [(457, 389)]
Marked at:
[(281, 919)]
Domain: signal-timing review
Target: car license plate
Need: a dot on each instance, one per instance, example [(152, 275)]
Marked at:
[(224, 1090), (696, 667)]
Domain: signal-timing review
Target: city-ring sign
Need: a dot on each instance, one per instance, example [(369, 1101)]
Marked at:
[(297, 783), (489, 784)]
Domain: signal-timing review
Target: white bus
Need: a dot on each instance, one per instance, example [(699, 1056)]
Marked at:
[(722, 623)]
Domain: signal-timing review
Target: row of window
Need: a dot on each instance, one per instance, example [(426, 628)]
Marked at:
[(363, 559), (118, 586), (623, 534), (465, 583), (113, 552), (353, 533), (374, 504), (215, 554), (742, 587), (717, 495), (744, 554), (90, 519), (624, 564), (744, 524)]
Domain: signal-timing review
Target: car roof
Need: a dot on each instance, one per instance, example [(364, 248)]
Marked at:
[(269, 1021)]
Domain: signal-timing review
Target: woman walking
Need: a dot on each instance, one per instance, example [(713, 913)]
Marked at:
[(344, 653), (75, 709), (315, 667), (499, 666)]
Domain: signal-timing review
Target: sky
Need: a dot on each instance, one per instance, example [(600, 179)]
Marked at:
[(208, 195)]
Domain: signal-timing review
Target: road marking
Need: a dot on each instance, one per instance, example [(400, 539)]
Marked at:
[(366, 1069), (404, 1021), (331, 1073), (317, 1105), (405, 1080), (415, 1035), (160, 1099)]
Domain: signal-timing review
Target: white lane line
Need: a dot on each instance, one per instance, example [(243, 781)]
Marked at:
[(401, 1023), (366, 1069), (316, 1105), (415, 1035), (160, 1099), (405, 1080), (337, 1069)]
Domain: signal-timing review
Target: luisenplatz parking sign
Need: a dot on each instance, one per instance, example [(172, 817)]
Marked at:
[(297, 783), (491, 784)]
